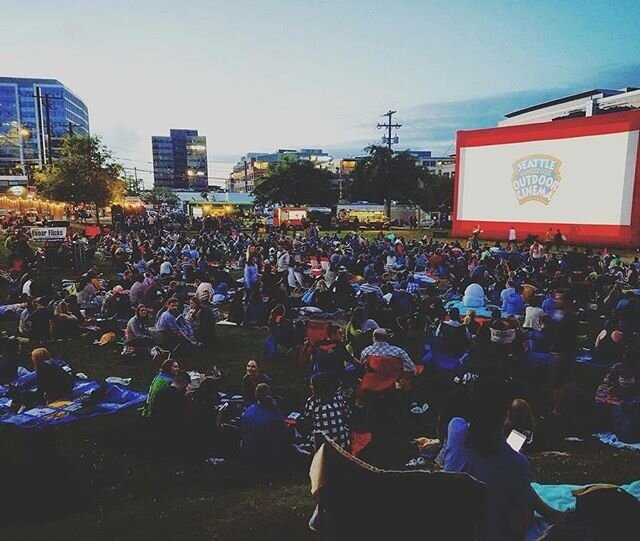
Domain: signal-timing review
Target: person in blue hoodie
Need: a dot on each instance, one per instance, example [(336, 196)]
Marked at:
[(512, 303)]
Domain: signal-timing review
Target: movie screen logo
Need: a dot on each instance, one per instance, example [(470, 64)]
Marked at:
[(536, 178)]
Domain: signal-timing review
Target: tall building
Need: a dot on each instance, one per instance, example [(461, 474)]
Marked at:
[(35, 115), (180, 160)]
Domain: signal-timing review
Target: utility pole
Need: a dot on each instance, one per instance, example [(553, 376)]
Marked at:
[(389, 125), (70, 129), (246, 180), (46, 98), (40, 134), (47, 112)]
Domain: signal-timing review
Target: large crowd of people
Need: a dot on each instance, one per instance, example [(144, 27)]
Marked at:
[(505, 327)]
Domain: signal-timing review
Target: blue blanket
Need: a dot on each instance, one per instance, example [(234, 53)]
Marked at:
[(79, 405), (609, 438), (561, 498), (12, 310), (482, 311)]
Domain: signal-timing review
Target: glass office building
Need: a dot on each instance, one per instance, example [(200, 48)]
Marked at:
[(180, 160), (35, 116)]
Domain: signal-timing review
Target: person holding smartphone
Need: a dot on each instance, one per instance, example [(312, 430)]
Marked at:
[(478, 446)]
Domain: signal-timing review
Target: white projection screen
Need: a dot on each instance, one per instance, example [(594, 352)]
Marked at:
[(585, 180), (577, 175)]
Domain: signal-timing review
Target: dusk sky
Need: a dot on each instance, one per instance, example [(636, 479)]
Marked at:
[(258, 75)]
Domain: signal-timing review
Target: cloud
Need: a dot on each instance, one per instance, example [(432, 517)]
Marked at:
[(433, 126)]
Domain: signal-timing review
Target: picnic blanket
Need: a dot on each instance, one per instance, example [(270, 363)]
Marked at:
[(609, 438), (80, 404), (483, 311), (561, 498), (424, 279), (12, 310)]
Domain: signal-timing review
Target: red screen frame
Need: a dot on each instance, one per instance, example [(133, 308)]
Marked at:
[(584, 234)]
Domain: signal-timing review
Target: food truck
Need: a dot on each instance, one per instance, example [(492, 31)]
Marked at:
[(295, 217), (366, 215)]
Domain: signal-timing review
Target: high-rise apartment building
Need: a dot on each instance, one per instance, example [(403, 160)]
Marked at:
[(35, 115), (180, 160)]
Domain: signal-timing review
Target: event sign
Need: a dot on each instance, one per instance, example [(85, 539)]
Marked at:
[(48, 233)]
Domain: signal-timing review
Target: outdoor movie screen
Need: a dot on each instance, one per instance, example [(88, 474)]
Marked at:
[(577, 173)]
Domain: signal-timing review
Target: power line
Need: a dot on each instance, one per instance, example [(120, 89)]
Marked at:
[(388, 126)]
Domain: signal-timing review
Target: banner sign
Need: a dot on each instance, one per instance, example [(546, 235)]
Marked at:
[(48, 233)]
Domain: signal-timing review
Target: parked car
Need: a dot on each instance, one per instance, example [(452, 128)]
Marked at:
[(427, 222)]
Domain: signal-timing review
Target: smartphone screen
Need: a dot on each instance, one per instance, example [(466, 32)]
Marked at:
[(516, 440)]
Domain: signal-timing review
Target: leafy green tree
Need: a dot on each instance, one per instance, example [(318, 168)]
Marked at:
[(436, 192), (85, 173), (385, 176), (296, 183), (160, 195)]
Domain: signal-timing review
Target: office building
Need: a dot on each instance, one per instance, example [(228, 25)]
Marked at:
[(35, 116), (247, 173), (438, 165), (180, 160)]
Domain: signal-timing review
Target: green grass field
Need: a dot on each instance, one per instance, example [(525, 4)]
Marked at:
[(105, 480), (112, 486)]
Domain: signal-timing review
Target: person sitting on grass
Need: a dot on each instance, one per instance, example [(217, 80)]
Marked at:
[(282, 328), (168, 333), (331, 357), (65, 324), (10, 368), (263, 430), (162, 379), (326, 411), (252, 378), (202, 321), (137, 333), (477, 446), (55, 381), (454, 333), (116, 303), (170, 407), (41, 321), (358, 331), (618, 398)]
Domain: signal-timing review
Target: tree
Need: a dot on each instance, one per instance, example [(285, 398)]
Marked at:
[(85, 173), (296, 183), (436, 192), (385, 176), (161, 196)]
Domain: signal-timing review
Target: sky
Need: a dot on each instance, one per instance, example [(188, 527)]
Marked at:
[(256, 76)]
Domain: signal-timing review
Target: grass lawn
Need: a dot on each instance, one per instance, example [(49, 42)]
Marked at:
[(101, 478), (112, 486)]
